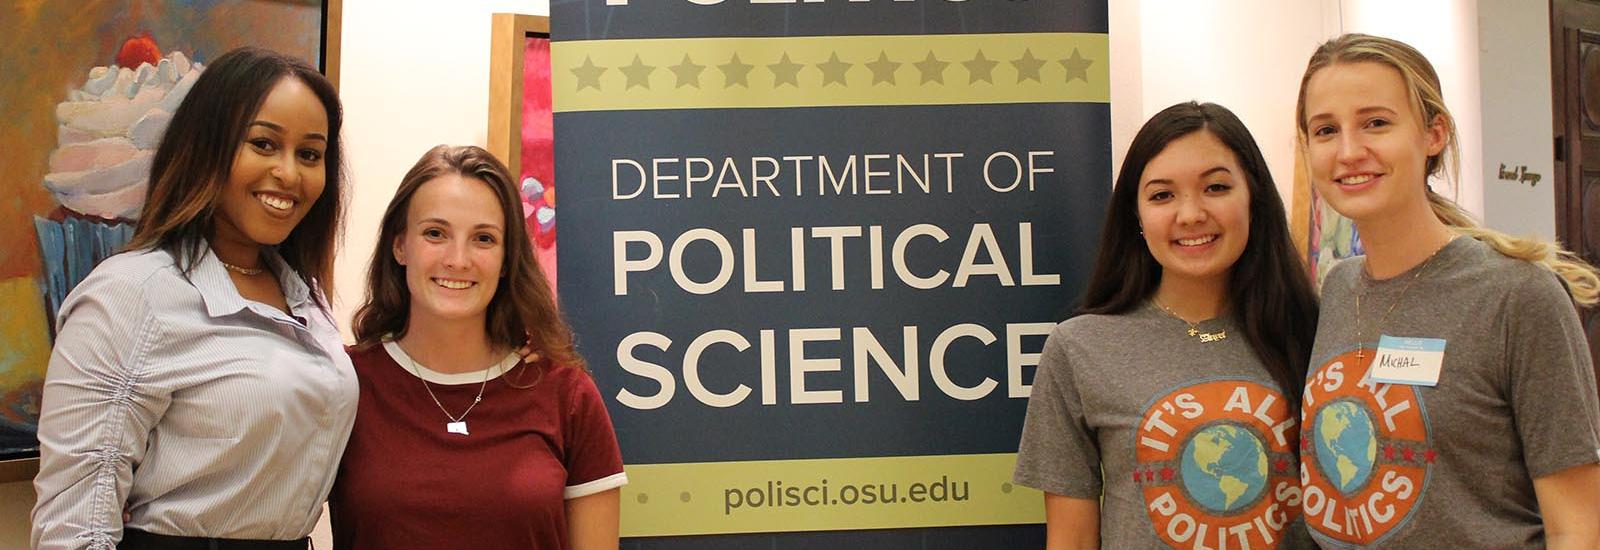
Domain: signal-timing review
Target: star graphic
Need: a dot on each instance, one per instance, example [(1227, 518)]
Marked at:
[(735, 72), (883, 69), (1027, 66), (833, 70), (1281, 465), (1388, 452), (637, 72), (1166, 473), (1077, 67), (688, 72), (1136, 477), (932, 69), (785, 72), (1430, 456), (1305, 443), (1149, 475), (1409, 454), (588, 74), (981, 68)]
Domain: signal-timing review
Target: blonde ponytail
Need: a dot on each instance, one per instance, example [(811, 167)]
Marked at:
[(1583, 283)]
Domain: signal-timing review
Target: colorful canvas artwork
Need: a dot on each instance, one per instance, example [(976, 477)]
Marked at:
[(92, 86), (537, 162), (1333, 237)]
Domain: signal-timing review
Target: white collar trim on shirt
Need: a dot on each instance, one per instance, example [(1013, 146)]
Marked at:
[(436, 377)]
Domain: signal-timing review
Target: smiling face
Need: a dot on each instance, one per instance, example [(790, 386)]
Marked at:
[(1194, 209), (452, 249), (1366, 144), (278, 172)]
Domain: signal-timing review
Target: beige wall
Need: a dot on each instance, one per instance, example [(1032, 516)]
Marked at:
[(1248, 55), (16, 500)]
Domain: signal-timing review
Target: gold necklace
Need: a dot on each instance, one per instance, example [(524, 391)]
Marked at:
[(1194, 328), (246, 271), (1361, 346)]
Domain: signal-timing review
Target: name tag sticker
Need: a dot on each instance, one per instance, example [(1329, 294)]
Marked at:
[(1410, 361)]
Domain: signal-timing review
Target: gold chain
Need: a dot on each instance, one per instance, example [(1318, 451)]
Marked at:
[(246, 271), (1361, 345), (1194, 328)]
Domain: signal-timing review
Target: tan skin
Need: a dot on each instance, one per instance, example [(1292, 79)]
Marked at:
[(278, 173), (1194, 213), (453, 250), (1360, 125)]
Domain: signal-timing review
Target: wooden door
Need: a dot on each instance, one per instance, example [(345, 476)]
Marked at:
[(1575, 60)]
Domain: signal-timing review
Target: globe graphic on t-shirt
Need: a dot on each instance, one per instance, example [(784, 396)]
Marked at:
[(1224, 467), (1346, 447)]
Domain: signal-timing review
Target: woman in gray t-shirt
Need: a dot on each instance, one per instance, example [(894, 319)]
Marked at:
[(1451, 401), (1166, 414)]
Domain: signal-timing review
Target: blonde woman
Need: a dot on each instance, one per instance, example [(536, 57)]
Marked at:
[(1451, 402)]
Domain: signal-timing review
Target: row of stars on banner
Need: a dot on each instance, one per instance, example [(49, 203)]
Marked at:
[(736, 72)]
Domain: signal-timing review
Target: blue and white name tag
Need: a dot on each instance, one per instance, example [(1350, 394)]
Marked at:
[(1411, 361)]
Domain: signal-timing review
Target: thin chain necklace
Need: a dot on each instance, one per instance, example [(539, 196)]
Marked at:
[(458, 424), (1194, 328), (1361, 345), (246, 271)]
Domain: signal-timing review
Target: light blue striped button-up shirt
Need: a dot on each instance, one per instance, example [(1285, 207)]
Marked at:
[(200, 412)]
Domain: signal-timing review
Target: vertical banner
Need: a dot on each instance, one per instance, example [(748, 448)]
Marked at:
[(812, 249)]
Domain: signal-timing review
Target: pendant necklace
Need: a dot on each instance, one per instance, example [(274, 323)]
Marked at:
[(1194, 328), (457, 424), (1361, 346)]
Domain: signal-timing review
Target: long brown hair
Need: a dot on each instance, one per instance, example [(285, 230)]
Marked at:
[(196, 155), (1427, 100), (1268, 289), (523, 309)]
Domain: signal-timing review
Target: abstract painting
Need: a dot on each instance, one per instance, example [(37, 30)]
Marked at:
[(521, 126), (90, 89)]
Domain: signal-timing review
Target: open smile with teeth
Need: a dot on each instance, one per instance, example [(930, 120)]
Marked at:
[(454, 284), (275, 202), (1356, 180), (1197, 241)]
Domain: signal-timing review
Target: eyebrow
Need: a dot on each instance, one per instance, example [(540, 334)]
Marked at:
[(279, 129), (441, 221), (1362, 111), (1208, 172)]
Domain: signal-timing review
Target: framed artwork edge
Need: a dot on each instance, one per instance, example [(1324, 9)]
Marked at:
[(24, 469), (508, 32)]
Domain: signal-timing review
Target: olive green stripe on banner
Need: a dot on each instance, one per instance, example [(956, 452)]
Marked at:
[(765, 496), (719, 73)]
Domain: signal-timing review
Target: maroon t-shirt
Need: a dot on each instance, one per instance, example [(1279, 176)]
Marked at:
[(405, 482)]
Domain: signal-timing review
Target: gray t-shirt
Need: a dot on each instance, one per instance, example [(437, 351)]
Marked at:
[(1449, 466), (1195, 441)]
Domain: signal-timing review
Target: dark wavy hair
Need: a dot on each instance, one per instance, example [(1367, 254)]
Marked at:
[(196, 155), (1269, 290), (523, 309)]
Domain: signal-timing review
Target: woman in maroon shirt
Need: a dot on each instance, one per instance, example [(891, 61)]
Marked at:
[(459, 441)]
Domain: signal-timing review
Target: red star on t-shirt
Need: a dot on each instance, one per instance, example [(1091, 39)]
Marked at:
[(1281, 465), (1149, 475), (1430, 456), (1137, 476), (1388, 452), (1409, 454), (1305, 443), (1166, 473)]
